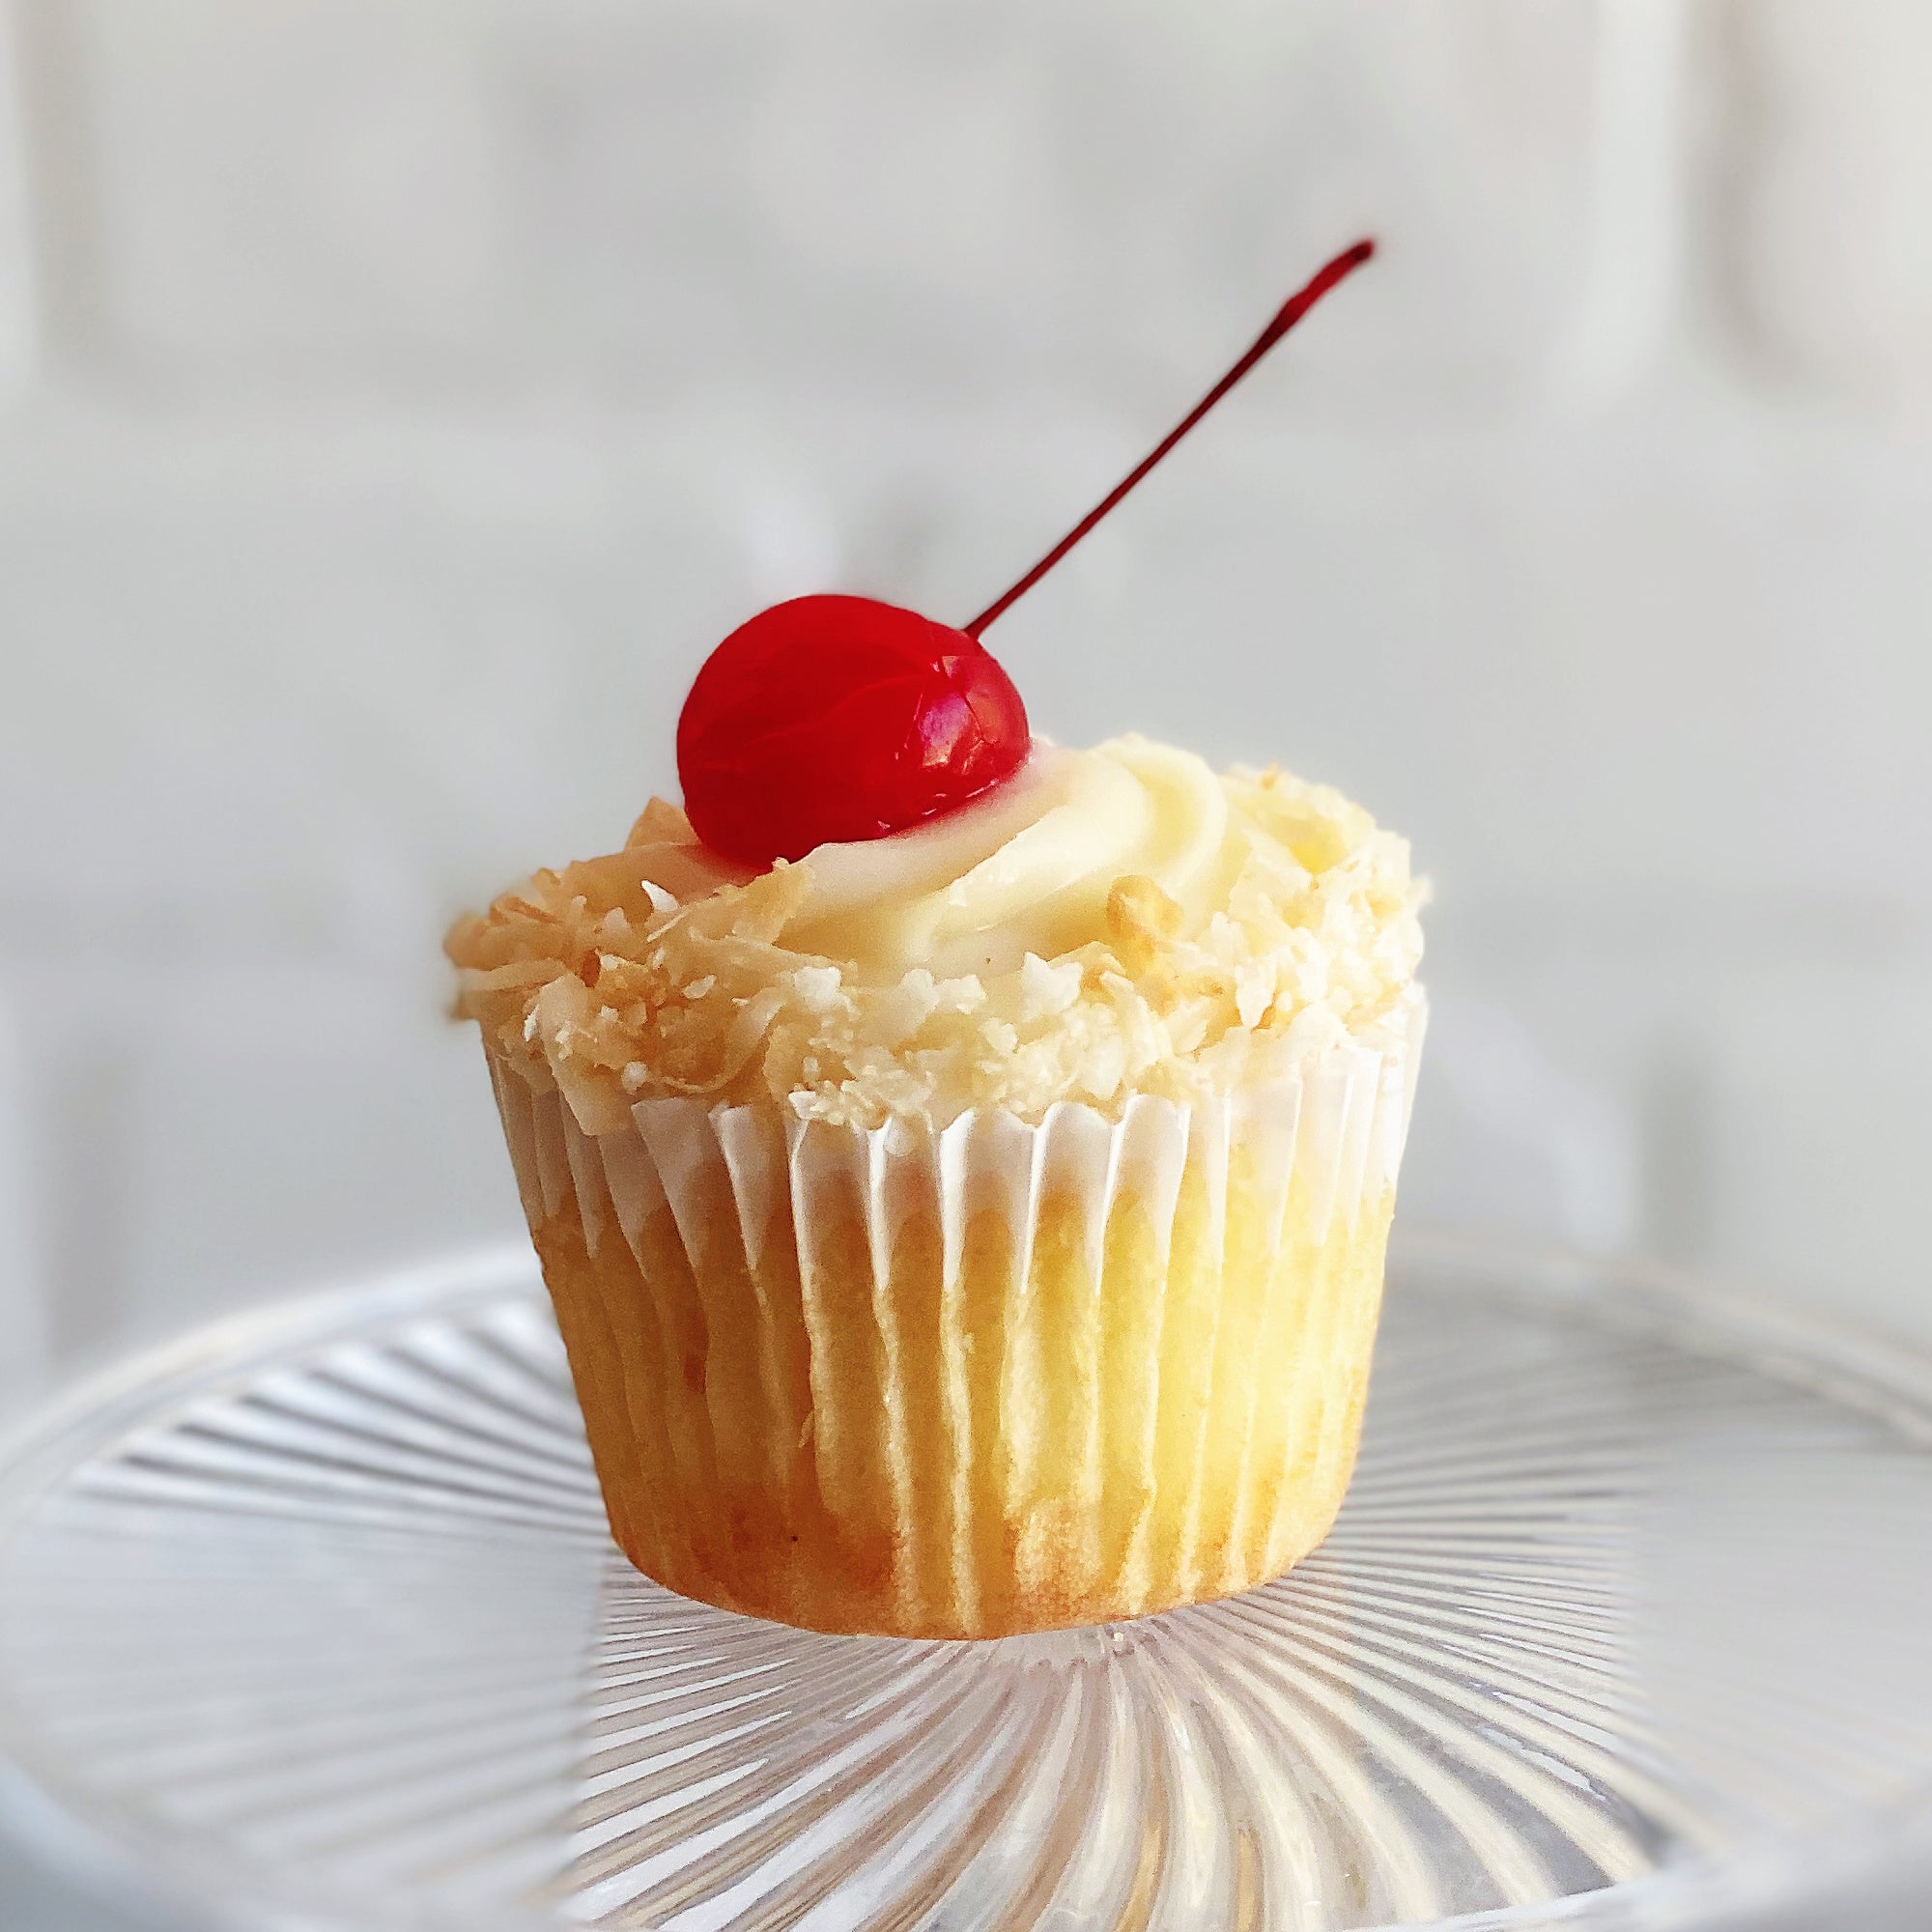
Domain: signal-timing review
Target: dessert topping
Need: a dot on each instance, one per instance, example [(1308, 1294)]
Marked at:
[(835, 719)]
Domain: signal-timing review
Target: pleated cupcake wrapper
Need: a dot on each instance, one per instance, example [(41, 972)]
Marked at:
[(1327, 1137), (1343, 1124)]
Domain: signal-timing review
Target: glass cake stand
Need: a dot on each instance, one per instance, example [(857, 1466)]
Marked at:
[(311, 1620)]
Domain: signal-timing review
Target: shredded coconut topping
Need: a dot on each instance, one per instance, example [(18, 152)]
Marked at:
[(658, 971)]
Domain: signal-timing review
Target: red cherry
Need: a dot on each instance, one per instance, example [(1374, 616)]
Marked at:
[(828, 719), (831, 719)]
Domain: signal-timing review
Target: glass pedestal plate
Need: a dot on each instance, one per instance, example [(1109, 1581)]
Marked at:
[(310, 1620)]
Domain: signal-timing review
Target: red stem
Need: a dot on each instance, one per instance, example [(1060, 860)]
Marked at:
[(1287, 316)]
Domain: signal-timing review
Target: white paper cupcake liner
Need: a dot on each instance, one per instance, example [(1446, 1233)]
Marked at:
[(846, 1288)]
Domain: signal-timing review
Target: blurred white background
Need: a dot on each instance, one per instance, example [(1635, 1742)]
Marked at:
[(401, 396), (400, 399)]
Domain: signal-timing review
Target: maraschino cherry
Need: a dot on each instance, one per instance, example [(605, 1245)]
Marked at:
[(833, 719), (841, 718)]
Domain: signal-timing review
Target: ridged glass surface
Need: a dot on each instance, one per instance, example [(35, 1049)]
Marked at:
[(1626, 1618)]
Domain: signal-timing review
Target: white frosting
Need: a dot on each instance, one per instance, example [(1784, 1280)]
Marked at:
[(1024, 871)]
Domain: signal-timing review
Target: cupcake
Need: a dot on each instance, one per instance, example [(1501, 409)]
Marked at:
[(961, 1165)]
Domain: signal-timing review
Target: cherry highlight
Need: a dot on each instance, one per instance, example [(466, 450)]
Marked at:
[(1286, 317)]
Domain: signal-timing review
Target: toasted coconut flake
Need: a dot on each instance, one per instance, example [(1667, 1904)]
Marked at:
[(661, 823)]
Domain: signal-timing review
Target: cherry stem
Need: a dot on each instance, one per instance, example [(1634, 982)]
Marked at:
[(1286, 317)]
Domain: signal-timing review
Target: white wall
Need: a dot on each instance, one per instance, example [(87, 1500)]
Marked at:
[(400, 396)]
